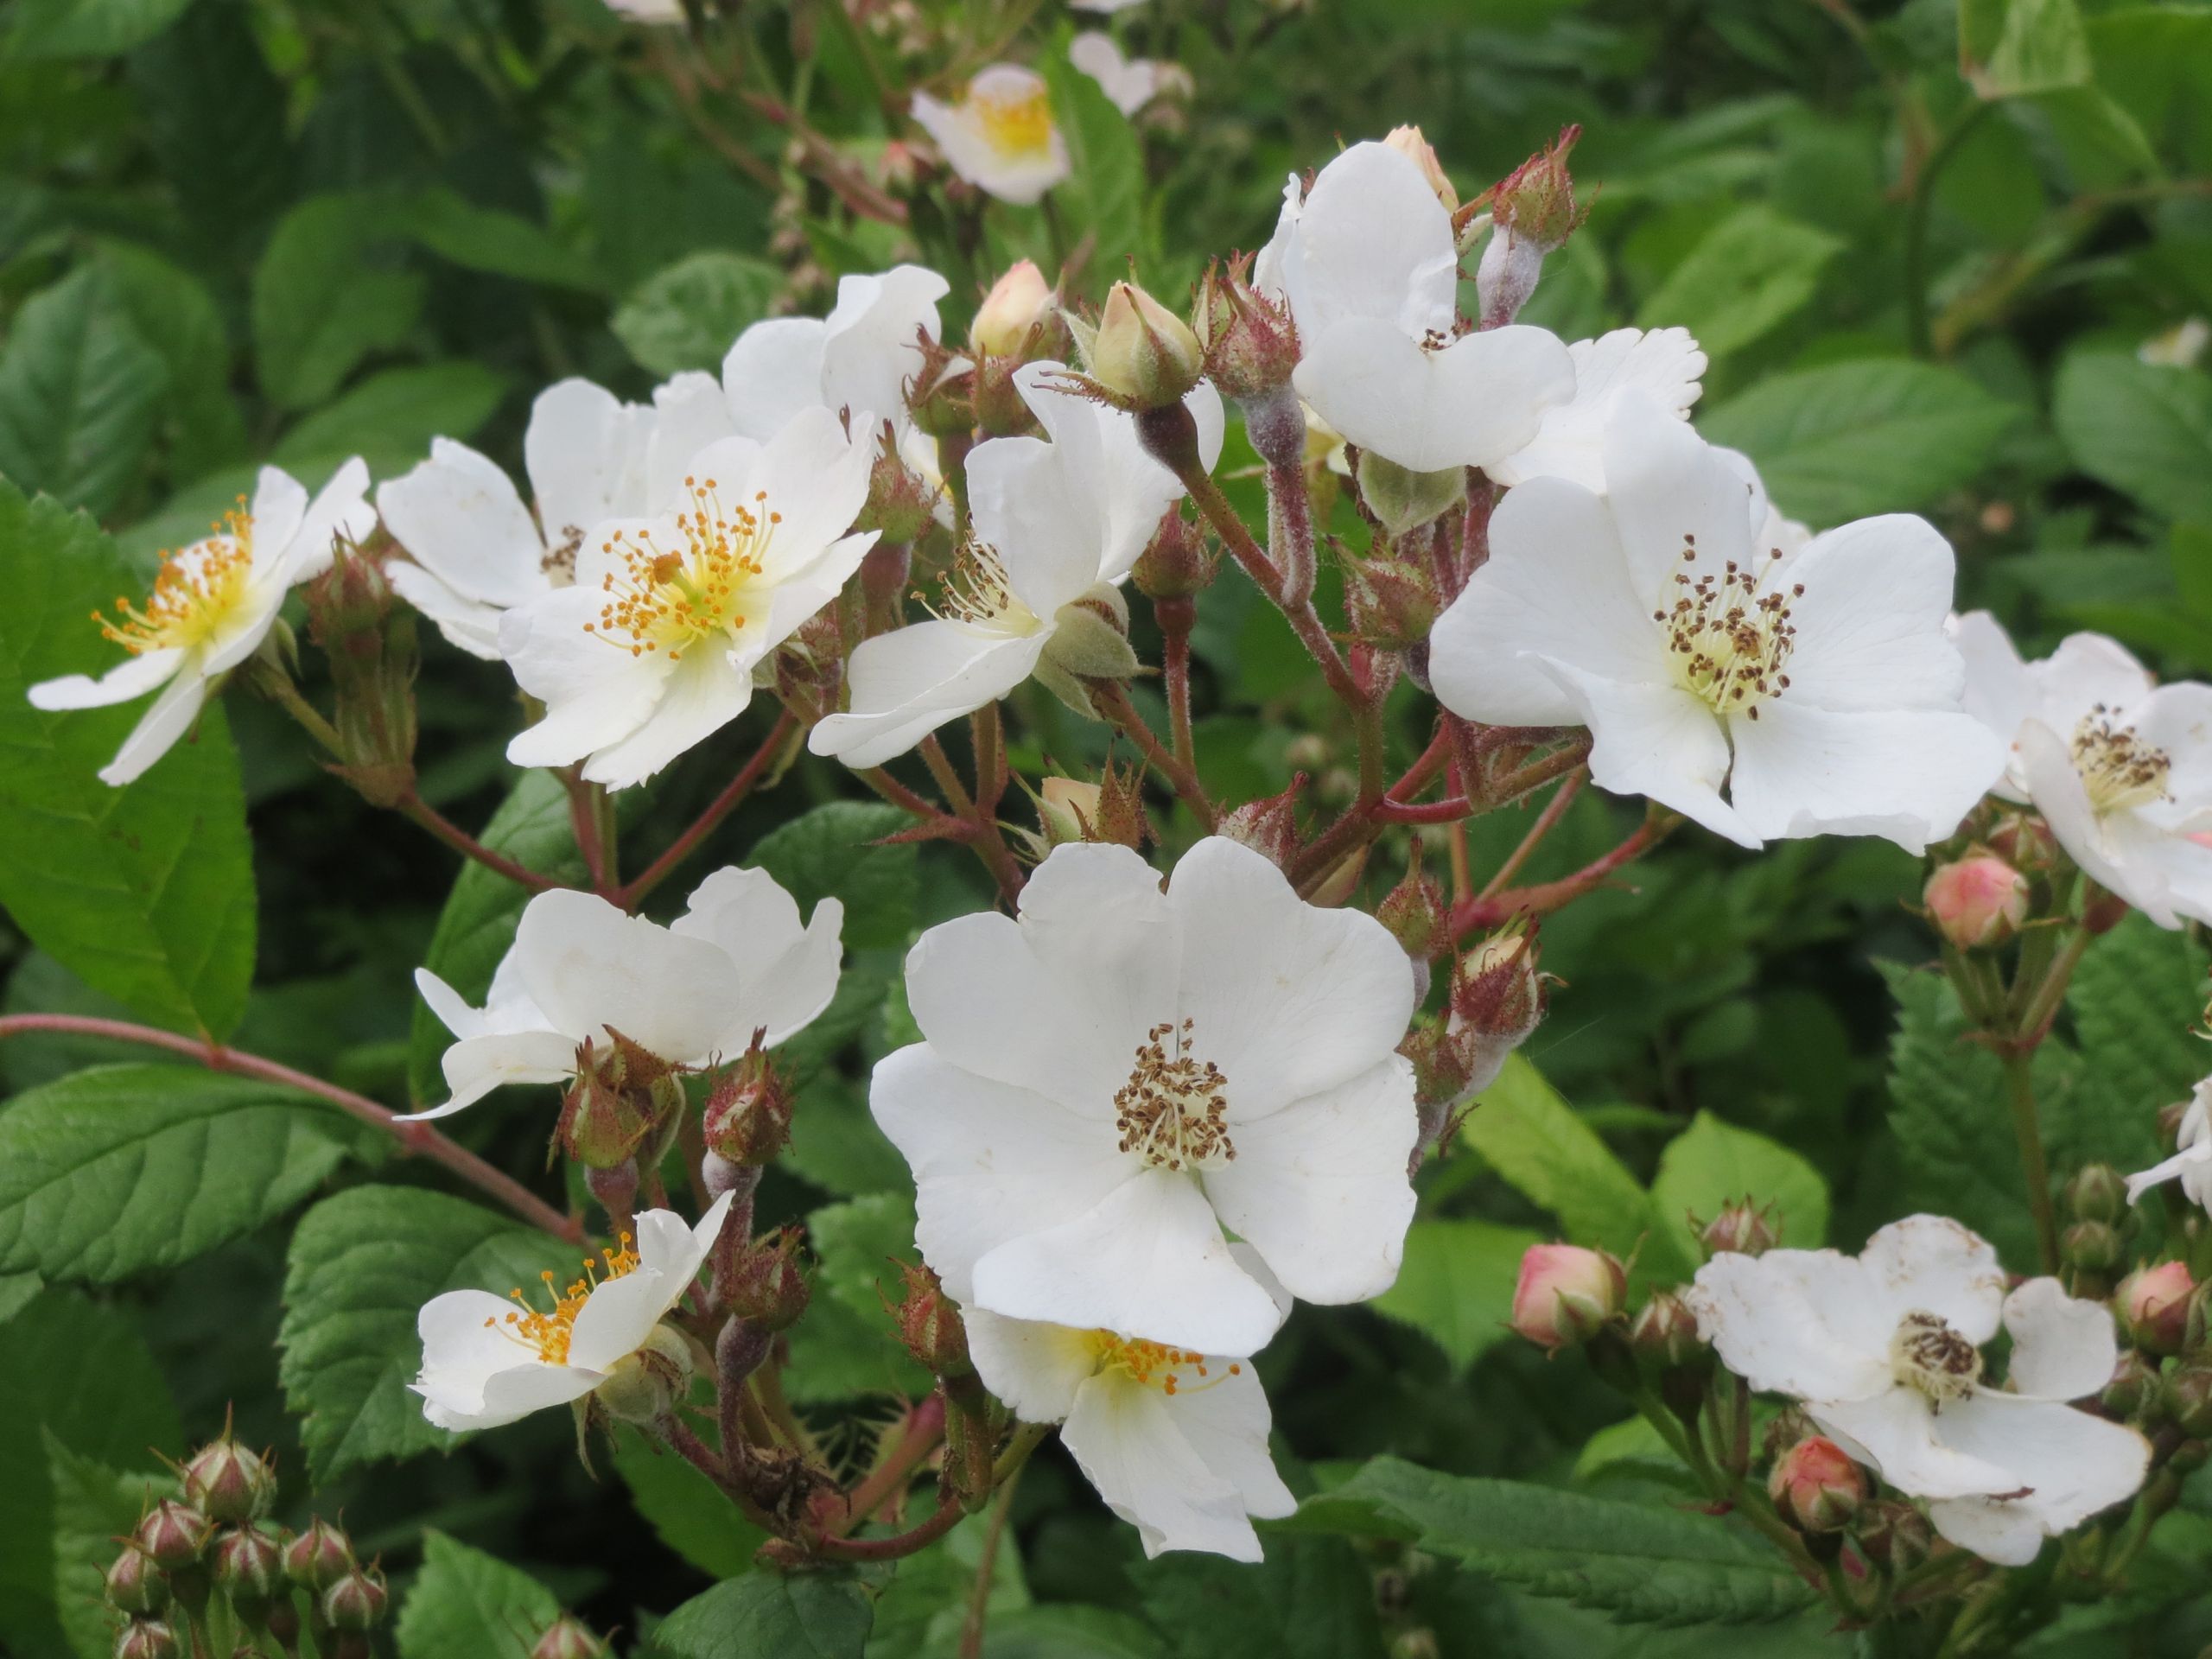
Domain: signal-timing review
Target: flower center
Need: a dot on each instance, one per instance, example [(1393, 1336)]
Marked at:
[(1154, 1366), (194, 593), (2119, 770), (547, 1331), (1728, 642), (1019, 127), (976, 593), (668, 598), (1928, 1354), (1170, 1110)]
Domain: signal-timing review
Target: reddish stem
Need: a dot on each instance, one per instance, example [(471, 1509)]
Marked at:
[(924, 1430), (417, 1139), (583, 817), (1545, 897), (948, 1516), (1418, 775), (1554, 810), (1112, 701), (709, 821), (1448, 810), (415, 807)]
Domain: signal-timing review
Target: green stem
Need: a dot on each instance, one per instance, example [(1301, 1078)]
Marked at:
[(979, 1593), (1919, 208), (2020, 1089)]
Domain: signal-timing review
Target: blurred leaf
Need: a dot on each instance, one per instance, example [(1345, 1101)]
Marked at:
[(689, 315), (390, 417), (1311, 1599), (2145, 429), (478, 924), (1948, 1109), (687, 1511), (145, 892), (81, 391), (174, 313), (77, 1371), (486, 239), (1881, 436), (1713, 1164), (1456, 1284), (2042, 45), (826, 852), (214, 116), (1640, 1565), (1631, 1441), (93, 1505), (88, 28), (814, 1614), (2138, 999), (1751, 272), (1104, 194), (319, 306), (465, 1604), (2157, 62), (835, 1143), (1070, 1630), (122, 1168), (920, 1613), (361, 1266)]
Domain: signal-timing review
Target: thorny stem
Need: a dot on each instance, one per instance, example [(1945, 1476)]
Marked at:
[(983, 830), (1175, 617), (421, 812), (924, 1430), (989, 737), (949, 1515), (584, 816), (979, 1593), (1112, 700), (418, 1139), (1547, 821), (2020, 1092), (707, 822), (1547, 896)]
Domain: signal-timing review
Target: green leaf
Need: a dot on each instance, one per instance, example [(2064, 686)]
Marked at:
[(16, 1292), (391, 417), (846, 1344), (122, 1168), (174, 313), (1310, 1598), (465, 1604), (79, 1371), (2144, 429), (1750, 273), (835, 1143), (688, 315), (1104, 194), (532, 827), (1070, 1630), (486, 239), (1640, 1565), (93, 1505), (362, 1264), (796, 1616), (1540, 1147), (80, 391), (1631, 1442), (826, 852), (687, 1511), (1880, 435), (1713, 1164), (920, 1613), (1456, 1285), (320, 305), (2042, 45), (145, 892), (1949, 1111), (88, 28), (2137, 1000)]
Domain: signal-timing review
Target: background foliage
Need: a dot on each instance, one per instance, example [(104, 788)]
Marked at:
[(1924, 247)]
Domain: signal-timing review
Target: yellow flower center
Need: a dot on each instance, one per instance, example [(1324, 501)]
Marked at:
[(1727, 641), (669, 597), (1017, 129), (976, 593), (1171, 1111), (1926, 1354), (1155, 1366), (194, 593), (2119, 770), (548, 1332)]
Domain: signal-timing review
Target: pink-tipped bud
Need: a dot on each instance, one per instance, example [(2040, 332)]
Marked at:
[(1566, 1295), (357, 1602), (1746, 1229), (2154, 1306), (567, 1638), (1664, 1333), (1497, 999), (1817, 1487), (249, 1569), (1144, 353), (1250, 342), (173, 1534), (929, 1323), (614, 1103), (769, 1289), (1417, 911), (1393, 603), (748, 1120), (1536, 201), (2023, 840), (228, 1483), (318, 1556), (1980, 900), (1269, 826), (1177, 561), (135, 1584), (1409, 143), (1017, 305), (147, 1638)]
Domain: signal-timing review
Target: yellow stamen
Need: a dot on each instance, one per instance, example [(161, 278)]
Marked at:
[(195, 591), (1154, 1365), (548, 1332), (1728, 640), (668, 599), (1017, 129)]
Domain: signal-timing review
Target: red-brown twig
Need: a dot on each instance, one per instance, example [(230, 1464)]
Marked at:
[(1545, 897), (415, 807), (705, 824)]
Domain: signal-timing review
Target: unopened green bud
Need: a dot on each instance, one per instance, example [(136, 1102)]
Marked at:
[(134, 1584), (356, 1602), (2097, 1193), (642, 1387), (769, 1289), (1144, 353), (249, 1570), (567, 1638)]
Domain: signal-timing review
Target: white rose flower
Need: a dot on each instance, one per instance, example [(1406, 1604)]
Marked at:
[(489, 1360), (1664, 364), (1175, 1441), (2192, 1159), (1366, 262), (1108, 1082), (473, 550), (212, 604), (1051, 521), (1819, 685), (736, 962), (2119, 765), (653, 649), (1884, 1350), (998, 134), (1128, 83)]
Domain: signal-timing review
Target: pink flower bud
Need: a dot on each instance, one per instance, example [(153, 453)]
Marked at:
[(229, 1482), (1018, 302), (747, 1119), (1408, 143), (173, 1534), (1566, 1295), (319, 1556), (1251, 344), (1269, 826), (568, 1637), (1497, 1000), (1978, 901), (1744, 1228), (1815, 1486), (2154, 1306)]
